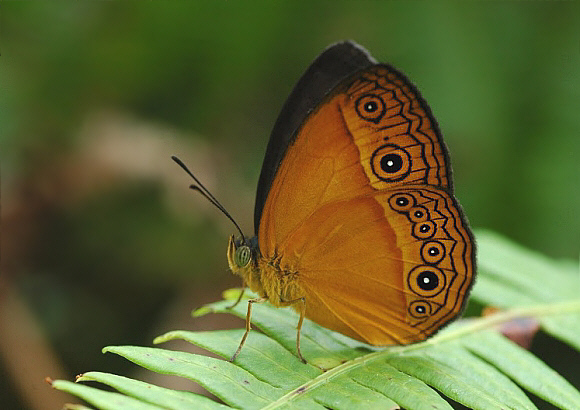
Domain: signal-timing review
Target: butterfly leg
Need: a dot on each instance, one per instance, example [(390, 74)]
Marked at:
[(248, 324), (302, 302), (239, 297)]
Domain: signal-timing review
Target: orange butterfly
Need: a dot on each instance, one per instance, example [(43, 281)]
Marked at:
[(356, 224)]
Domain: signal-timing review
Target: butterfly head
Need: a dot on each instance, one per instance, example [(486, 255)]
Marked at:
[(241, 256)]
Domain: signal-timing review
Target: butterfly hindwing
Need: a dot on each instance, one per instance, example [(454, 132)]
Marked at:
[(388, 268), (437, 251)]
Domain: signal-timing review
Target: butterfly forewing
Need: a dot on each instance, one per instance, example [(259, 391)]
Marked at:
[(398, 139)]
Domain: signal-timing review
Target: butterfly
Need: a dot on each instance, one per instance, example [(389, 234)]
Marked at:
[(356, 224)]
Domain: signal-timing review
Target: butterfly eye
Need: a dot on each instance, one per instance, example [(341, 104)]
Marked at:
[(243, 256), (420, 309), (370, 107), (418, 214), (432, 252), (391, 163), (424, 230), (426, 281), (401, 202)]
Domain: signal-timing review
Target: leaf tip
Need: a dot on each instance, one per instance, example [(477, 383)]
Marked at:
[(108, 349), (204, 310), (165, 337)]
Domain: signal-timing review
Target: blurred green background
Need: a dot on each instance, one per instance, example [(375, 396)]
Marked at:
[(102, 242)]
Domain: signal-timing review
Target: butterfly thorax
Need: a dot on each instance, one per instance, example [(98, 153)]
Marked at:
[(265, 277)]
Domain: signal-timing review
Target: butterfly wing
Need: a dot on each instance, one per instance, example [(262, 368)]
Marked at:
[(327, 215), (330, 68), (396, 134), (388, 268)]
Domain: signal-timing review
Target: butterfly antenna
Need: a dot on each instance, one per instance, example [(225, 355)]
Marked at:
[(207, 195)]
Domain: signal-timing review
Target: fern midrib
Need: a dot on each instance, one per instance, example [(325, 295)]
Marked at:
[(569, 306)]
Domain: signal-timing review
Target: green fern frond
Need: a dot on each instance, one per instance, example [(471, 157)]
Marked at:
[(469, 361)]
